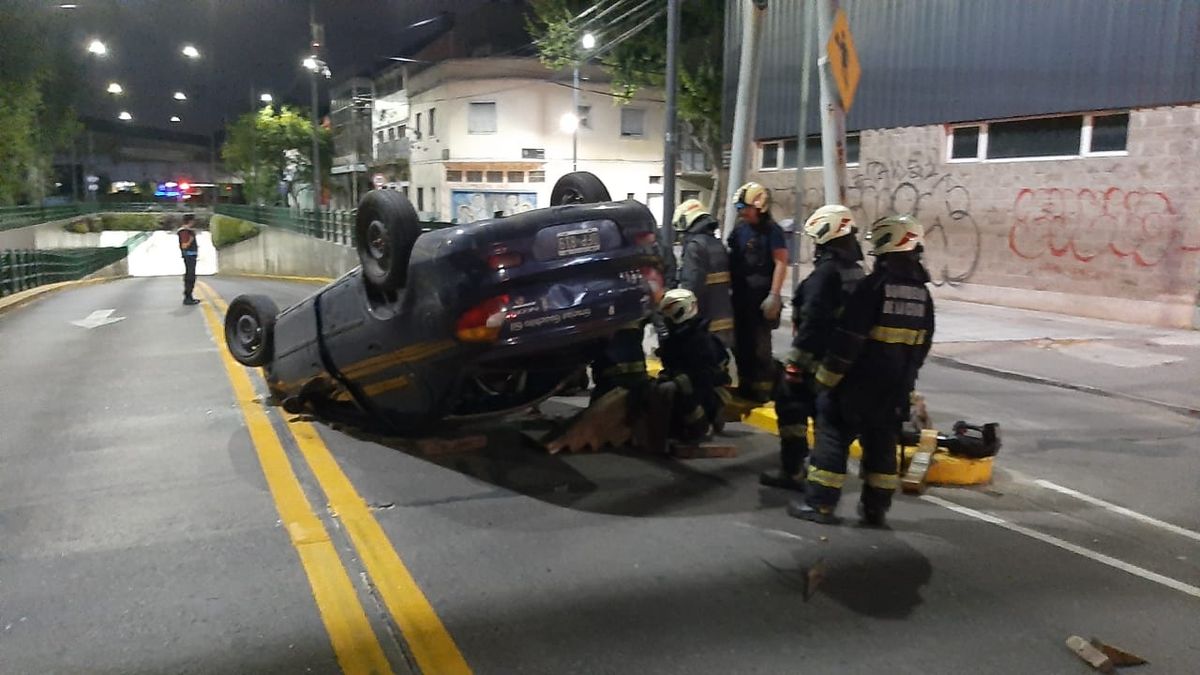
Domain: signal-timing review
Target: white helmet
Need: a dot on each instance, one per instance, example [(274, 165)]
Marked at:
[(829, 222), (894, 234), (678, 306), (687, 213)]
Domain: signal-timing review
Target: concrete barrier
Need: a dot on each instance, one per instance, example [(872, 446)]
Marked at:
[(282, 253)]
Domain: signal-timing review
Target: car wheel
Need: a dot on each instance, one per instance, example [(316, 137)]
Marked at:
[(250, 329), (384, 231), (579, 187)]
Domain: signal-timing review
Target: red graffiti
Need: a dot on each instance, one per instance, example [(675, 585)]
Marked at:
[(1085, 224)]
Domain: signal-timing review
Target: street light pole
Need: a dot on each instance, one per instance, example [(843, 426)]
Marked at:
[(316, 149), (575, 112), (753, 14), (670, 145), (833, 116)]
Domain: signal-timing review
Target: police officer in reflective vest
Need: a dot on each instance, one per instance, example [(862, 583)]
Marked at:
[(190, 251), (704, 267), (758, 266), (868, 374), (816, 305)]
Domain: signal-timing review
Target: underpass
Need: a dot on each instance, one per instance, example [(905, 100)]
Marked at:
[(157, 517)]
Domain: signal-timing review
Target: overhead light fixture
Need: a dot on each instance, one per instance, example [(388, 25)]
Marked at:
[(310, 63), (124, 116), (266, 98), (97, 47), (67, 5), (174, 118), (180, 96), (114, 88), (190, 51)]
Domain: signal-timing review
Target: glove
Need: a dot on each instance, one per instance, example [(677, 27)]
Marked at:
[(793, 372), (771, 307)]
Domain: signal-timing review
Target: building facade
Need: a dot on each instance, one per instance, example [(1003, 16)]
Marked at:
[(1052, 154)]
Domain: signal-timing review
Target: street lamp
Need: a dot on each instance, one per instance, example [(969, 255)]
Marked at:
[(266, 98), (124, 116), (115, 89), (190, 51), (315, 65), (588, 42), (97, 47), (569, 123), (175, 118), (180, 96)]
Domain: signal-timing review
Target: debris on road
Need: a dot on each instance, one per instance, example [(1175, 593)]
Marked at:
[(813, 577), (1102, 657), (913, 481), (703, 451)]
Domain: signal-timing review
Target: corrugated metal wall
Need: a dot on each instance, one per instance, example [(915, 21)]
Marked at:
[(935, 61)]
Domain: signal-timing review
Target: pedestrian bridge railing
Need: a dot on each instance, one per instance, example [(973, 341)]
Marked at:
[(13, 217), (23, 269)]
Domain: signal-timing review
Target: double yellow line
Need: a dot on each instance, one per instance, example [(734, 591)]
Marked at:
[(354, 641)]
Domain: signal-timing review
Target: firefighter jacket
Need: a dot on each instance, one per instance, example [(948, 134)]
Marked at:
[(883, 337), (817, 302), (692, 350), (704, 270)]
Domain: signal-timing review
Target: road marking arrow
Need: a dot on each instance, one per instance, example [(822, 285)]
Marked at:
[(100, 317)]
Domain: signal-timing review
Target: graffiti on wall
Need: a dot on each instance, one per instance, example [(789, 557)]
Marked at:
[(917, 186), (1143, 226), (468, 206)]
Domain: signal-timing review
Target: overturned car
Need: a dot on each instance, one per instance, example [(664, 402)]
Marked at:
[(460, 321)]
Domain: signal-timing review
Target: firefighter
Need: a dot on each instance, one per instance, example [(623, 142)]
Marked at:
[(704, 267), (758, 266), (816, 304), (695, 364), (621, 363), (868, 373)]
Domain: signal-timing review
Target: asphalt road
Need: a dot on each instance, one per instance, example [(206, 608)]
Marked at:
[(138, 532)]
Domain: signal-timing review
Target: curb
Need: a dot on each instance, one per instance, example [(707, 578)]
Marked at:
[(951, 362), (277, 277), (18, 300)]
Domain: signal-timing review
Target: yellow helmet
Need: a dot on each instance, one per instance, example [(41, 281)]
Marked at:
[(829, 222), (894, 234), (687, 213), (752, 194), (678, 305)]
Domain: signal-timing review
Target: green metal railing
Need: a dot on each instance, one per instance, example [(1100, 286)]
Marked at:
[(12, 217), (24, 269), (333, 226)]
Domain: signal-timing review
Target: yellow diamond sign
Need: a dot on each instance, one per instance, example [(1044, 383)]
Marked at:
[(843, 59)]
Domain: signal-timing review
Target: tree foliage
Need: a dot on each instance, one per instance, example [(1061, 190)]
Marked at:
[(39, 79), (640, 60), (268, 146)]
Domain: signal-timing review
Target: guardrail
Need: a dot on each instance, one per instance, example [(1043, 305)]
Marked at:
[(333, 226), (26, 268), (12, 217)]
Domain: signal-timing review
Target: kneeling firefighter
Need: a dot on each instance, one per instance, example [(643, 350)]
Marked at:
[(816, 304), (704, 267), (694, 367), (868, 373), (758, 266)]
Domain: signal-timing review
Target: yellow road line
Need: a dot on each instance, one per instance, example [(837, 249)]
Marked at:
[(354, 642), (431, 644)]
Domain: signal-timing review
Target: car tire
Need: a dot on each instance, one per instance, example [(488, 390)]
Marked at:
[(579, 187), (385, 230), (250, 329)]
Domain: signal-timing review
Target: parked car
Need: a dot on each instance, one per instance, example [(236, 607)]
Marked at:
[(459, 321)]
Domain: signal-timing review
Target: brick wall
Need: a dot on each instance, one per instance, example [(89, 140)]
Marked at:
[(1113, 237)]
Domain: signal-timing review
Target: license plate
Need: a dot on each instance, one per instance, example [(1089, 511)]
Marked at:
[(578, 241)]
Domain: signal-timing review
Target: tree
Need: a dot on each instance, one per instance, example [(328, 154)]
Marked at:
[(269, 146), (641, 59), (39, 80)]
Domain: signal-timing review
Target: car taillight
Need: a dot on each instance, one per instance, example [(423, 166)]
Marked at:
[(504, 261), (645, 238), (482, 322)]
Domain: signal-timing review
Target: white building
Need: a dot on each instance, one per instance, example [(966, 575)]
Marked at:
[(389, 128), (486, 136)]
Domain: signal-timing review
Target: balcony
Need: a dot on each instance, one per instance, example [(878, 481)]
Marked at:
[(390, 151)]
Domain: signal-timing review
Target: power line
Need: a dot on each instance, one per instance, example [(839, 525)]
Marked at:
[(629, 33)]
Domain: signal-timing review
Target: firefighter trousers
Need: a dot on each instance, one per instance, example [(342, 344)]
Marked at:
[(839, 422), (752, 353), (794, 404)]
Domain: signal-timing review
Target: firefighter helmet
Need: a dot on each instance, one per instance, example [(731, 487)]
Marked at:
[(752, 194), (678, 306), (687, 213), (828, 223), (893, 234)]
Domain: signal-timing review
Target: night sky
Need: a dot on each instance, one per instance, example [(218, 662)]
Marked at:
[(244, 44)]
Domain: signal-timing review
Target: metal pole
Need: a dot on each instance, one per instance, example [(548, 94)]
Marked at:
[(74, 172), (802, 128), (833, 117), (753, 12), (316, 150), (670, 149), (575, 112), (253, 192)]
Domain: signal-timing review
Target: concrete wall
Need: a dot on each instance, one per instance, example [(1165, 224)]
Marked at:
[(286, 253), (1114, 237)]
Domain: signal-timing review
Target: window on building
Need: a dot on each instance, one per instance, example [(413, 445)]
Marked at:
[(474, 176), (402, 132), (1106, 133), (656, 180), (1044, 137), (481, 117), (584, 112), (537, 176), (453, 176), (629, 195), (769, 156), (417, 130), (685, 195), (379, 135), (433, 121), (964, 142), (495, 176), (633, 122), (433, 204), (789, 154), (391, 133), (516, 176), (420, 199), (533, 153)]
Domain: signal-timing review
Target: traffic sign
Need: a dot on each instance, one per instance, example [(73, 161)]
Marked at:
[(843, 59)]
